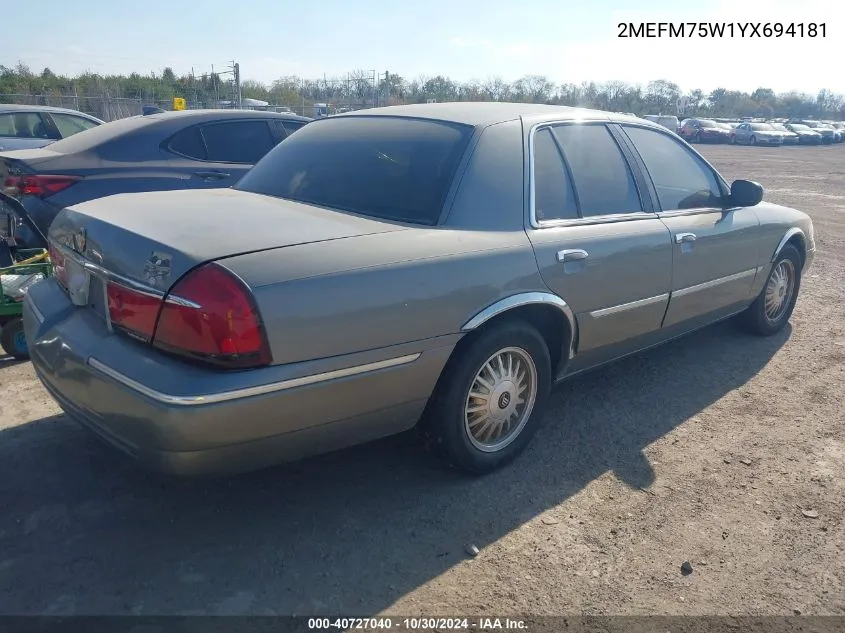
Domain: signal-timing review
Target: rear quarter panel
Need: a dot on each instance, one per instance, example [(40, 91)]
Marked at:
[(333, 298)]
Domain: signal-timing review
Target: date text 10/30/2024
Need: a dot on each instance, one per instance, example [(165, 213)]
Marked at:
[(416, 624), (722, 29)]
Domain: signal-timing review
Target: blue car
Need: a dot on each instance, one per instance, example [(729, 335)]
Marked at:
[(160, 151)]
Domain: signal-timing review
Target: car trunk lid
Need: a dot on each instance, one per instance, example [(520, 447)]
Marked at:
[(155, 238)]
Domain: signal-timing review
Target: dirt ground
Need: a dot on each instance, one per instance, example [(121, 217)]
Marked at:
[(706, 450)]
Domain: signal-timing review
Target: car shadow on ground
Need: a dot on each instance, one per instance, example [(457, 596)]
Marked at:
[(82, 530), (9, 361)]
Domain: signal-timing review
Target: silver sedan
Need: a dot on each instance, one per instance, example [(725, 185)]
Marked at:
[(441, 265)]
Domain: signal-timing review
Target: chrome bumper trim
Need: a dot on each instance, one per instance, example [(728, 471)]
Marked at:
[(248, 392)]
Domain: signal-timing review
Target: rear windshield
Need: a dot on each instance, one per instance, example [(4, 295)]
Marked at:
[(386, 167), (798, 126), (87, 140), (707, 123)]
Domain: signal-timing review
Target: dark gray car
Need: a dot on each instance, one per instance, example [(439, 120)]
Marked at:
[(195, 149), (30, 126), (443, 263)]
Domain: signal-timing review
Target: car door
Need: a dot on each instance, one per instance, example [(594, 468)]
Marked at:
[(715, 247), (598, 244), (218, 154), (743, 133)]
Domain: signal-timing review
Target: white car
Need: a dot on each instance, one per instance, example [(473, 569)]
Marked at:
[(31, 127)]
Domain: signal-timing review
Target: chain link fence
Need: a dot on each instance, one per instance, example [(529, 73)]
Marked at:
[(110, 108)]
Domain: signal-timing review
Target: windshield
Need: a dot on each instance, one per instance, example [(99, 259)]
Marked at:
[(762, 127), (393, 168), (779, 127), (798, 126), (707, 123)]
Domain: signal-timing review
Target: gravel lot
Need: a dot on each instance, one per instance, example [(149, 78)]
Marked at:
[(706, 450)]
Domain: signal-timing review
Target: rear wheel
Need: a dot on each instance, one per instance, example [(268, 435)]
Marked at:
[(754, 140), (13, 340), (490, 399), (771, 310)]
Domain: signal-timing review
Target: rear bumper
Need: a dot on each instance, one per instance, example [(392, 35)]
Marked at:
[(184, 420)]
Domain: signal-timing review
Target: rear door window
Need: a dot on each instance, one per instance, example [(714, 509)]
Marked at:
[(603, 181), (388, 167), (292, 126), (554, 198), (24, 125), (237, 141), (189, 143), (70, 124)]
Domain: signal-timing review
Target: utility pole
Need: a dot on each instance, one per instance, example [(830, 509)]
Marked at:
[(236, 70), (386, 88)]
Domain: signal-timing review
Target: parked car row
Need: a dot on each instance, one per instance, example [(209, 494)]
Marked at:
[(434, 265), (772, 133)]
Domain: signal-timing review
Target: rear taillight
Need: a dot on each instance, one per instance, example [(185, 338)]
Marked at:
[(210, 315), (40, 185), (57, 259), (132, 311)]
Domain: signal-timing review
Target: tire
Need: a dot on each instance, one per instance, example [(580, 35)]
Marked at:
[(754, 140), (459, 437), (732, 140), (13, 340), (759, 320), (698, 137)]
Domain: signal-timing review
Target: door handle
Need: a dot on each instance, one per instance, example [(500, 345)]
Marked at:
[(572, 255), (683, 238), (211, 175)]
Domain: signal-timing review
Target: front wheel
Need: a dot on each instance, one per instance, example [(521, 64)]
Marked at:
[(489, 401), (754, 140), (13, 340), (698, 137), (771, 310)]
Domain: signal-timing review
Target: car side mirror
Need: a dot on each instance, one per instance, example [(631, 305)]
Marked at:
[(746, 193)]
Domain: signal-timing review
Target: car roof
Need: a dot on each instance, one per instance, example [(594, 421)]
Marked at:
[(210, 115), (488, 113), (16, 107)]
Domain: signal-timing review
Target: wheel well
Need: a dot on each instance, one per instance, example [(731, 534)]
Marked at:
[(549, 321), (798, 242)]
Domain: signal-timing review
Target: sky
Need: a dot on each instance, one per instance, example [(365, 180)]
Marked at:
[(462, 39)]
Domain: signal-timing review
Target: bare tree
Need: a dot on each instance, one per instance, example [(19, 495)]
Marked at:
[(495, 89)]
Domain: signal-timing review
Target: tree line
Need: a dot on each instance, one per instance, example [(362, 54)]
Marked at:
[(362, 89)]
